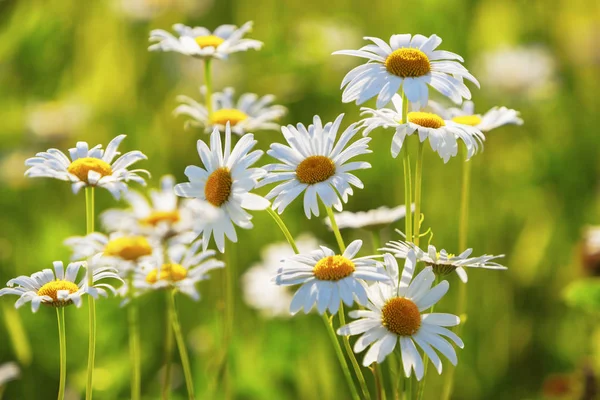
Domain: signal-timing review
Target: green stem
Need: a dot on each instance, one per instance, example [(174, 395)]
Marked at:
[(407, 194), (418, 179), (89, 217), (375, 241), (60, 316), (352, 357), (336, 230), (408, 389), (283, 228), (185, 361), (166, 389), (229, 316), (16, 334), (421, 389), (208, 83), (134, 342), (379, 384)]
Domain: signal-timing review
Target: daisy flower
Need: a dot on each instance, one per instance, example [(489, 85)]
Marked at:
[(163, 217), (315, 164), (8, 372), (184, 267), (494, 118), (372, 219), (224, 183), (326, 279), (409, 63), (442, 134), (442, 262), (249, 114), (260, 292), (58, 288), (395, 315), (202, 43), (89, 167)]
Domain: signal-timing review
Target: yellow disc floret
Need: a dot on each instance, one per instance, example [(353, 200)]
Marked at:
[(471, 120), (209, 41), (156, 217), (407, 63), (231, 115), (129, 248), (425, 119), (52, 288), (401, 316), (218, 186), (167, 272), (333, 268), (82, 166), (315, 169)]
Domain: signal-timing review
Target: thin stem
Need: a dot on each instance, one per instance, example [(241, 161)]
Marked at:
[(407, 175), (421, 389), (418, 179), (375, 241), (185, 361), (166, 389), (336, 230), (408, 389), (60, 316), (208, 83), (134, 342), (283, 228), (340, 356), (352, 357), (89, 217), (379, 384), (229, 316)]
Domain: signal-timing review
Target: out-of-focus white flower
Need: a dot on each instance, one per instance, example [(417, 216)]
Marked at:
[(9, 372), (56, 120), (372, 219), (148, 9)]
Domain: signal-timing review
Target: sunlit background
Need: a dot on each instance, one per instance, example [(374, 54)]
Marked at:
[(79, 70)]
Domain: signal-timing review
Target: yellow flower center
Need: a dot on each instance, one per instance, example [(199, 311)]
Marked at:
[(224, 115), (82, 166), (167, 272), (51, 289), (471, 120), (401, 316), (407, 63), (157, 217), (425, 119), (333, 268), (218, 186), (209, 41), (129, 248), (315, 169)]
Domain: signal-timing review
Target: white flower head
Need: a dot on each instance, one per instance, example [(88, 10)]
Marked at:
[(250, 113), (9, 372), (326, 279), (494, 118), (185, 266), (260, 292), (202, 43), (373, 219), (315, 164), (89, 167), (442, 134), (442, 262), (395, 315), (409, 63), (58, 288), (224, 185)]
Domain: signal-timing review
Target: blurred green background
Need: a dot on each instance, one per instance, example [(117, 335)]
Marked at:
[(73, 70)]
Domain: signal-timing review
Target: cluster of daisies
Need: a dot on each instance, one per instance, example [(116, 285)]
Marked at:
[(163, 243)]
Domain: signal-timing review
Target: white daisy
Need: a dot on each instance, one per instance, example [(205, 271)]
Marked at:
[(184, 267), (251, 113), (163, 217), (326, 279), (409, 63), (313, 163), (373, 219), (442, 262), (394, 314), (8, 372), (57, 287), (225, 183), (89, 167), (465, 115), (442, 134), (260, 292), (202, 43)]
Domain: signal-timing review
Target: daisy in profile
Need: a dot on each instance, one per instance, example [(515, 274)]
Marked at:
[(260, 292), (326, 279), (224, 184), (250, 113), (442, 134), (315, 164), (164, 216), (89, 167), (442, 262), (373, 219), (184, 267), (394, 316), (59, 288), (408, 63), (494, 118), (202, 43)]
